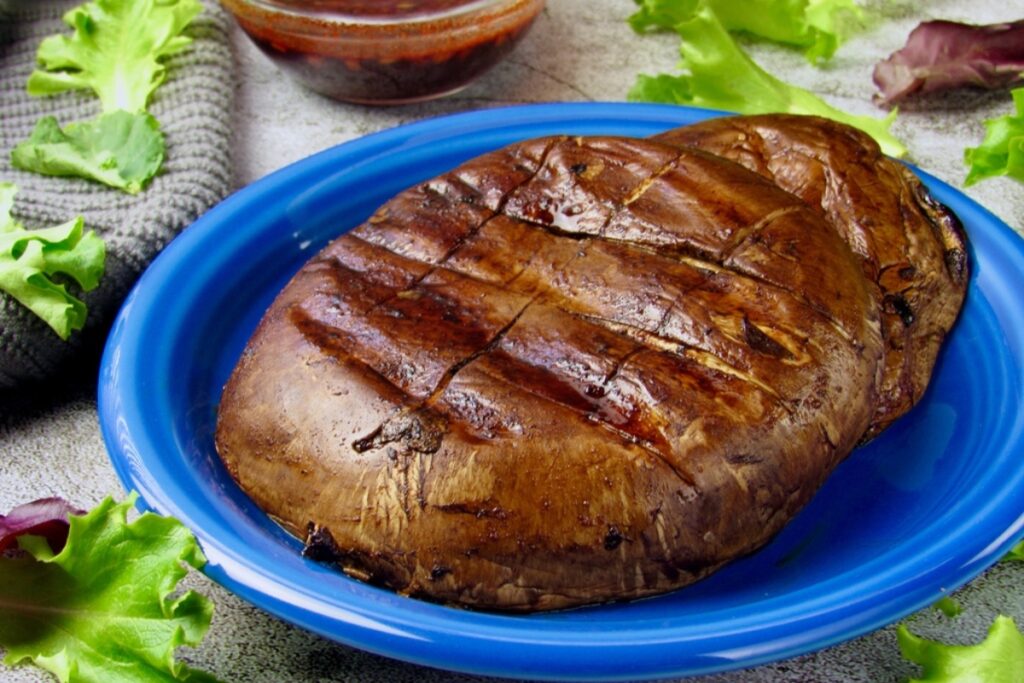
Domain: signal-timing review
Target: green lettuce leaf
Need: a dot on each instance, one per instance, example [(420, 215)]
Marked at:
[(1002, 150), (998, 659), (102, 610), (28, 259), (718, 74), (119, 149), (948, 606), (819, 26), (1016, 553), (116, 50)]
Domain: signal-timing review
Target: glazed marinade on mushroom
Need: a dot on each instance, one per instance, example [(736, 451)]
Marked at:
[(582, 369)]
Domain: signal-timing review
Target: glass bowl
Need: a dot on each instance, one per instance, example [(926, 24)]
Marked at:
[(385, 51)]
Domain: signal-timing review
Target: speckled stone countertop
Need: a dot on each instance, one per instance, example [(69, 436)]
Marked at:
[(579, 50)]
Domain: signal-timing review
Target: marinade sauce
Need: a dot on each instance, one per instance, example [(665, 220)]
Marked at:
[(385, 51)]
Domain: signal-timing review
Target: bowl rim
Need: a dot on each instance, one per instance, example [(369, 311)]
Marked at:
[(464, 11)]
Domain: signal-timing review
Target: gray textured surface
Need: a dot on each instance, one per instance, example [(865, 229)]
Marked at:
[(579, 50), (194, 109)]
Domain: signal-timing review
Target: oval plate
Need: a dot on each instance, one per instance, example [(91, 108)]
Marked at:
[(918, 512)]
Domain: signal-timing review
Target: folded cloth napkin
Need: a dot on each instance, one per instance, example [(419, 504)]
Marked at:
[(193, 107)]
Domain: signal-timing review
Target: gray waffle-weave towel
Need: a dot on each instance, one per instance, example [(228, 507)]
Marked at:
[(193, 107)]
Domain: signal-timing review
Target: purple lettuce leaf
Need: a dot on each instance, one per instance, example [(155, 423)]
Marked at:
[(46, 517), (943, 55)]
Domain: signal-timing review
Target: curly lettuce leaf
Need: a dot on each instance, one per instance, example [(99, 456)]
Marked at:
[(118, 149), (1016, 553), (29, 259), (718, 74), (117, 50), (1002, 150), (998, 659), (102, 609), (943, 55), (818, 26)]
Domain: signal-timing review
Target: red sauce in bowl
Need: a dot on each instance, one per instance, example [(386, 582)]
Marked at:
[(385, 51), (376, 8)]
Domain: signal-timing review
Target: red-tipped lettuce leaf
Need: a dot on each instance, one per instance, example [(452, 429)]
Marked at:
[(108, 608), (944, 55), (46, 517)]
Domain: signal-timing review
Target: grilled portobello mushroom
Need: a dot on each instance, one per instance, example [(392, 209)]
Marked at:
[(570, 371), (911, 247)]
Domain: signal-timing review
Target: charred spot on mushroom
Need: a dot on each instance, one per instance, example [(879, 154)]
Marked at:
[(371, 567), (896, 304), (320, 545), (439, 571), (956, 263), (744, 458), (614, 538), (948, 229), (759, 341), (421, 430)]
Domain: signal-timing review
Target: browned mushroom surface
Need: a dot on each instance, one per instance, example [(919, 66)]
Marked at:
[(910, 246)]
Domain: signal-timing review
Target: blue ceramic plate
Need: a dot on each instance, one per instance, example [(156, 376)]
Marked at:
[(915, 514)]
